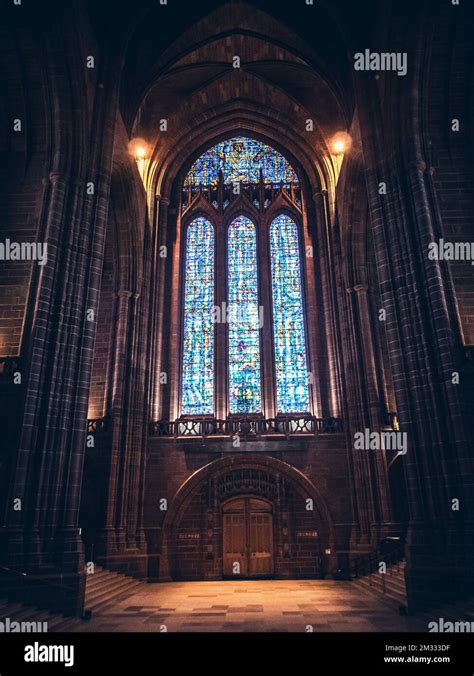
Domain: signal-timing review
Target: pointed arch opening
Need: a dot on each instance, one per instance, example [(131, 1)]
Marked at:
[(244, 331), (289, 332), (197, 377), (244, 350)]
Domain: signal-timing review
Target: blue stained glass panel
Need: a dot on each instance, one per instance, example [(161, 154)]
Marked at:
[(197, 391), (243, 312), (288, 318), (241, 159)]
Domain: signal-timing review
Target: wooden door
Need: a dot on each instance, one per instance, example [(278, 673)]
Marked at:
[(248, 538)]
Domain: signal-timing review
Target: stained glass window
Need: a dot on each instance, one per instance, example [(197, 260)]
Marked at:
[(243, 318), (288, 319), (241, 159), (198, 348)]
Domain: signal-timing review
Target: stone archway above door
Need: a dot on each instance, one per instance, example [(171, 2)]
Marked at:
[(192, 531)]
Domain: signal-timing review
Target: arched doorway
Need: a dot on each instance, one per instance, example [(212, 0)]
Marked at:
[(245, 517), (247, 542)]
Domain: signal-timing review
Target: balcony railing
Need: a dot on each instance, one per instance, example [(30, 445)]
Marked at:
[(220, 195), (390, 551), (245, 427)]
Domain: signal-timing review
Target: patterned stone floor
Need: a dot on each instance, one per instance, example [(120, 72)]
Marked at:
[(249, 606)]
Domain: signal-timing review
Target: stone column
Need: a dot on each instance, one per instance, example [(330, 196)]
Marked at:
[(328, 378), (158, 307), (423, 340), (384, 523), (356, 420)]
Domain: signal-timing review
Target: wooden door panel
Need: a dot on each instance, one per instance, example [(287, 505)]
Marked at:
[(235, 545), (261, 544), (247, 538)]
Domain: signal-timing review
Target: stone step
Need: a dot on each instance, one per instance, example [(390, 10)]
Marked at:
[(100, 576), (398, 592), (382, 581), (61, 623), (109, 592), (393, 598), (109, 600), (26, 613), (18, 612), (387, 578), (389, 585), (104, 582), (104, 588)]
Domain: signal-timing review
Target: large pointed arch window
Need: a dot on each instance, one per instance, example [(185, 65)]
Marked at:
[(244, 336), (198, 343)]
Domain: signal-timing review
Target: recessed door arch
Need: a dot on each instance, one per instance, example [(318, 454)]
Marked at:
[(247, 530), (322, 521)]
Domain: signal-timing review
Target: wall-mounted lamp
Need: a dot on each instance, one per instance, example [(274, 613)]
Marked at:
[(140, 151), (340, 143)]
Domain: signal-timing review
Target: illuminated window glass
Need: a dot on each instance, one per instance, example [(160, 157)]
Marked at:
[(197, 393), (241, 159), (244, 334), (288, 319)]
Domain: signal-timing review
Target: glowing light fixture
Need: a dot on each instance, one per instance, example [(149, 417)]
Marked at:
[(140, 151), (340, 143)]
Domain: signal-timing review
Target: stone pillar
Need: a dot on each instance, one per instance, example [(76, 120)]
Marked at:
[(423, 341), (329, 377), (123, 534), (384, 524), (364, 500), (158, 307)]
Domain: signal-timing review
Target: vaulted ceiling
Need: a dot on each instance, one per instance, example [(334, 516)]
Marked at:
[(180, 67)]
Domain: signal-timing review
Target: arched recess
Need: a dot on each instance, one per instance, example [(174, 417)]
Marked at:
[(169, 164), (221, 102), (275, 468)]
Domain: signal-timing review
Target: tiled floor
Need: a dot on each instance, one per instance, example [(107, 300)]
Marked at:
[(269, 605)]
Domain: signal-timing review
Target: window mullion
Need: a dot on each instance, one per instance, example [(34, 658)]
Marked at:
[(266, 334), (221, 368)]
